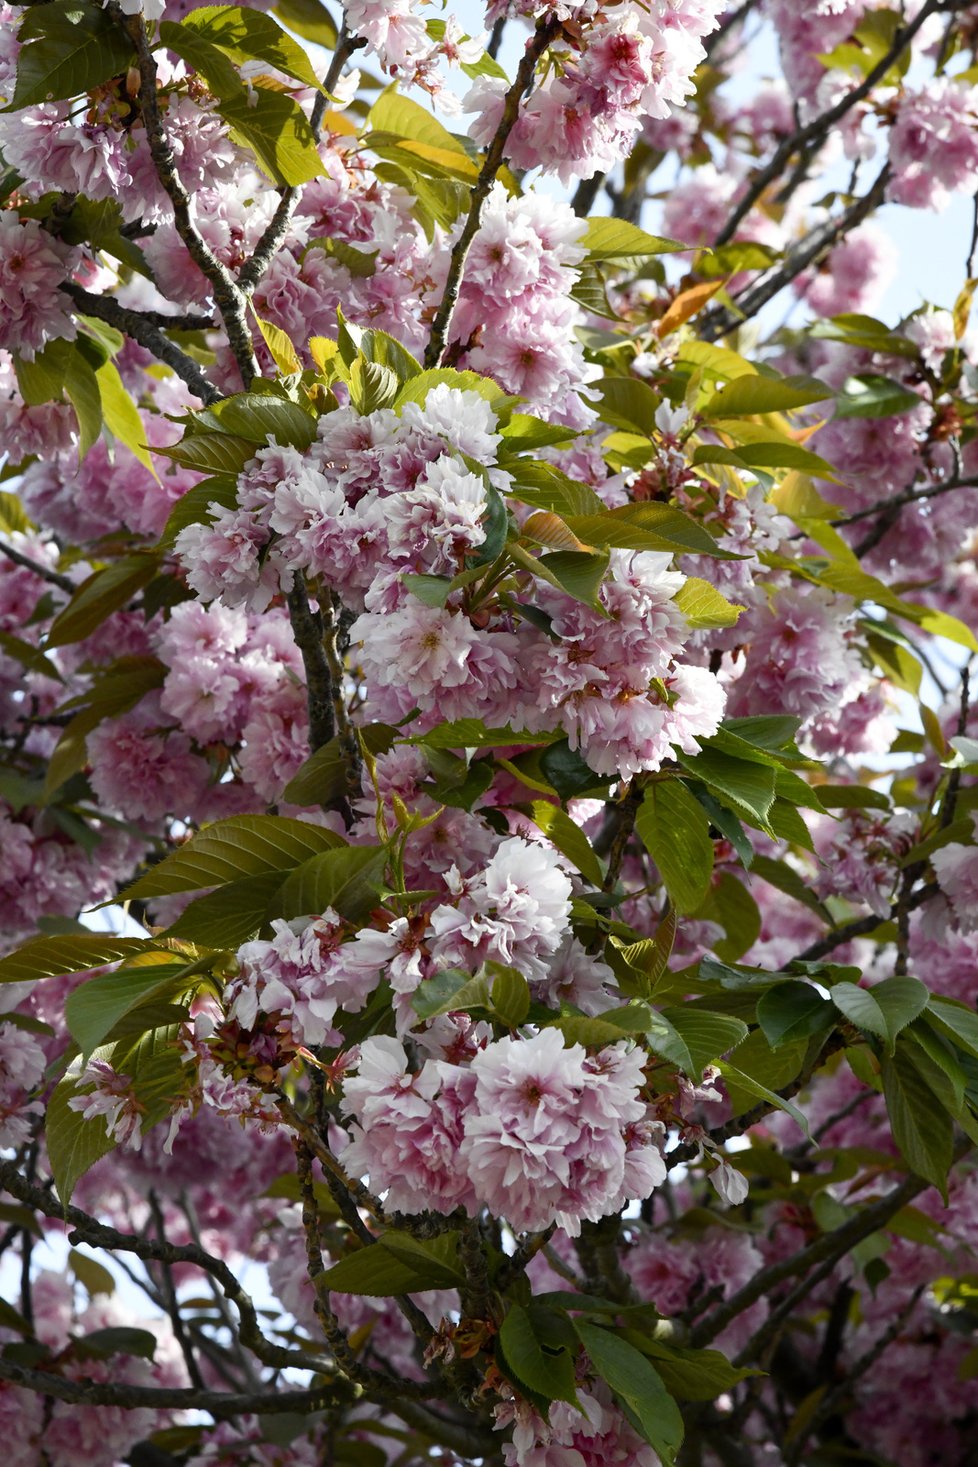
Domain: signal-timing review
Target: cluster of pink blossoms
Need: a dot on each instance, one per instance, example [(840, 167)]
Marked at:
[(592, 1436), (33, 267), (383, 495), (533, 1129), (634, 62), (64, 1433), (104, 156)]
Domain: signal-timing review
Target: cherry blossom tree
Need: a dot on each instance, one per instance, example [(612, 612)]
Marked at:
[(488, 808)]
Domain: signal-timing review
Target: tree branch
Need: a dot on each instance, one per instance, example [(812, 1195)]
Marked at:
[(832, 1245), (89, 1230), (230, 300), (142, 330), (819, 127), (275, 231), (132, 1397), (718, 323), (308, 631), (547, 28)]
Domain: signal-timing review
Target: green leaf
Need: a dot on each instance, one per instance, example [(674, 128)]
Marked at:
[(545, 487), (852, 797), (749, 395), (277, 131), (394, 113), (67, 48), (229, 916), (529, 1357), (766, 456), (616, 239), (509, 995), (567, 772), (93, 1009), (95, 1277), (872, 396), (258, 417), (770, 731), (792, 1011), (693, 1375), (939, 1064), (372, 386), (427, 1253), (209, 453), (73, 1144), (638, 1386), (51, 957), (103, 592), (627, 402), (645, 527), (747, 786), (82, 390), (103, 1344), (348, 879), (243, 845), (309, 19), (693, 1038), (704, 607), (472, 733), (609, 1027), (739, 1079), (922, 1128), (322, 777), (577, 572), (379, 1271), (569, 839), (952, 1018), (448, 992), (430, 590), (30, 657), (884, 1009), (249, 35), (675, 831), (524, 431), (121, 414)]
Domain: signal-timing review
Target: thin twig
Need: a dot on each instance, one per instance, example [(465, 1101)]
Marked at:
[(53, 577), (910, 496), (170, 1301)]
